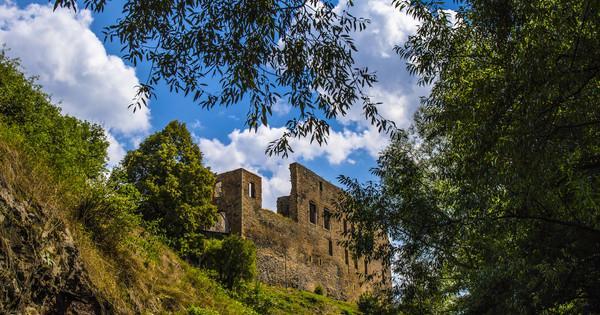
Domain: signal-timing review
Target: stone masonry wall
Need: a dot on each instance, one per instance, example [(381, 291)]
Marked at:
[(292, 251)]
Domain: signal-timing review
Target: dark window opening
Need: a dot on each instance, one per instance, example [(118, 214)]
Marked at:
[(313, 213), (346, 256), (251, 190), (327, 219), (310, 259), (366, 270), (330, 248), (321, 186)]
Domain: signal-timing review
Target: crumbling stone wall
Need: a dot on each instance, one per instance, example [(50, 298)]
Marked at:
[(292, 251)]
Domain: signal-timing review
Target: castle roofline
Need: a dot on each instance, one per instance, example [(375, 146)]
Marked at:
[(314, 173), (292, 165)]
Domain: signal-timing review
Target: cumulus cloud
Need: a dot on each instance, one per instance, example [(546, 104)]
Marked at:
[(247, 149), (396, 89), (73, 67)]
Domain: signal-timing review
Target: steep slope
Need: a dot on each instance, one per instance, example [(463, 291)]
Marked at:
[(41, 270), (48, 264)]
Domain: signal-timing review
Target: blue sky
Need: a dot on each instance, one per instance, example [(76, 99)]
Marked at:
[(85, 74)]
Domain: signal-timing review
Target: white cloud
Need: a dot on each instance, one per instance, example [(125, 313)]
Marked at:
[(247, 149), (73, 66), (396, 89), (281, 108), (116, 152)]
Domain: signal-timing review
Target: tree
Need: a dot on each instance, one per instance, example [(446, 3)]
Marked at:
[(261, 52), (176, 188), (493, 198)]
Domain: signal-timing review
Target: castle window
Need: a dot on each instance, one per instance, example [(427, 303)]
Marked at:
[(218, 189), (251, 190), (330, 248), (321, 186), (327, 219), (346, 256), (313, 213), (366, 270)]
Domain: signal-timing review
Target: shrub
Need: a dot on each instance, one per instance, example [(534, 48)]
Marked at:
[(254, 296), (319, 290), (370, 304), (233, 259), (108, 213), (75, 150)]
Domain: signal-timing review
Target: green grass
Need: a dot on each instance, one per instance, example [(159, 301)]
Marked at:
[(293, 301)]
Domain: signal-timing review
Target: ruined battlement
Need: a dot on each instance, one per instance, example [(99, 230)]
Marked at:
[(297, 246)]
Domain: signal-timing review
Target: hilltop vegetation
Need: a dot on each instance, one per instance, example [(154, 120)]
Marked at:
[(77, 239)]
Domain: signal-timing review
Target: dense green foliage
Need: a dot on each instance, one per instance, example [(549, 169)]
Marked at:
[(176, 189), (74, 149), (496, 208), (233, 259), (261, 53), (371, 304)]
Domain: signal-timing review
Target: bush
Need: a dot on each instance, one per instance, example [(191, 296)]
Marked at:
[(254, 296), (108, 214), (75, 150), (370, 304), (233, 259), (319, 290)]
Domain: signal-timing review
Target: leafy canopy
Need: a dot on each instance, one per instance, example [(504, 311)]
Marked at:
[(176, 189), (261, 52), (496, 207)]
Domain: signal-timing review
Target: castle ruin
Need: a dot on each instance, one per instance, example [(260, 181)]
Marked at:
[(297, 246)]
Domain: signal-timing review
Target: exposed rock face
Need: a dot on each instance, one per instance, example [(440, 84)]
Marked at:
[(40, 268)]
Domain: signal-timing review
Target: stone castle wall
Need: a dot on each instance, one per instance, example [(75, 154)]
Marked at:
[(292, 251)]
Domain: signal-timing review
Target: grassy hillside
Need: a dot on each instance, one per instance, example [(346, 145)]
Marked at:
[(142, 276)]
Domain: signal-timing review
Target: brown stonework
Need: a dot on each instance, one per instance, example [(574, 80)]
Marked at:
[(292, 251)]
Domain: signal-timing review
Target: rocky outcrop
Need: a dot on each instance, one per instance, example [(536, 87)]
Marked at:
[(40, 268)]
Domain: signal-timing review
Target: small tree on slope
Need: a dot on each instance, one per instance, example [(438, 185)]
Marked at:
[(176, 188)]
